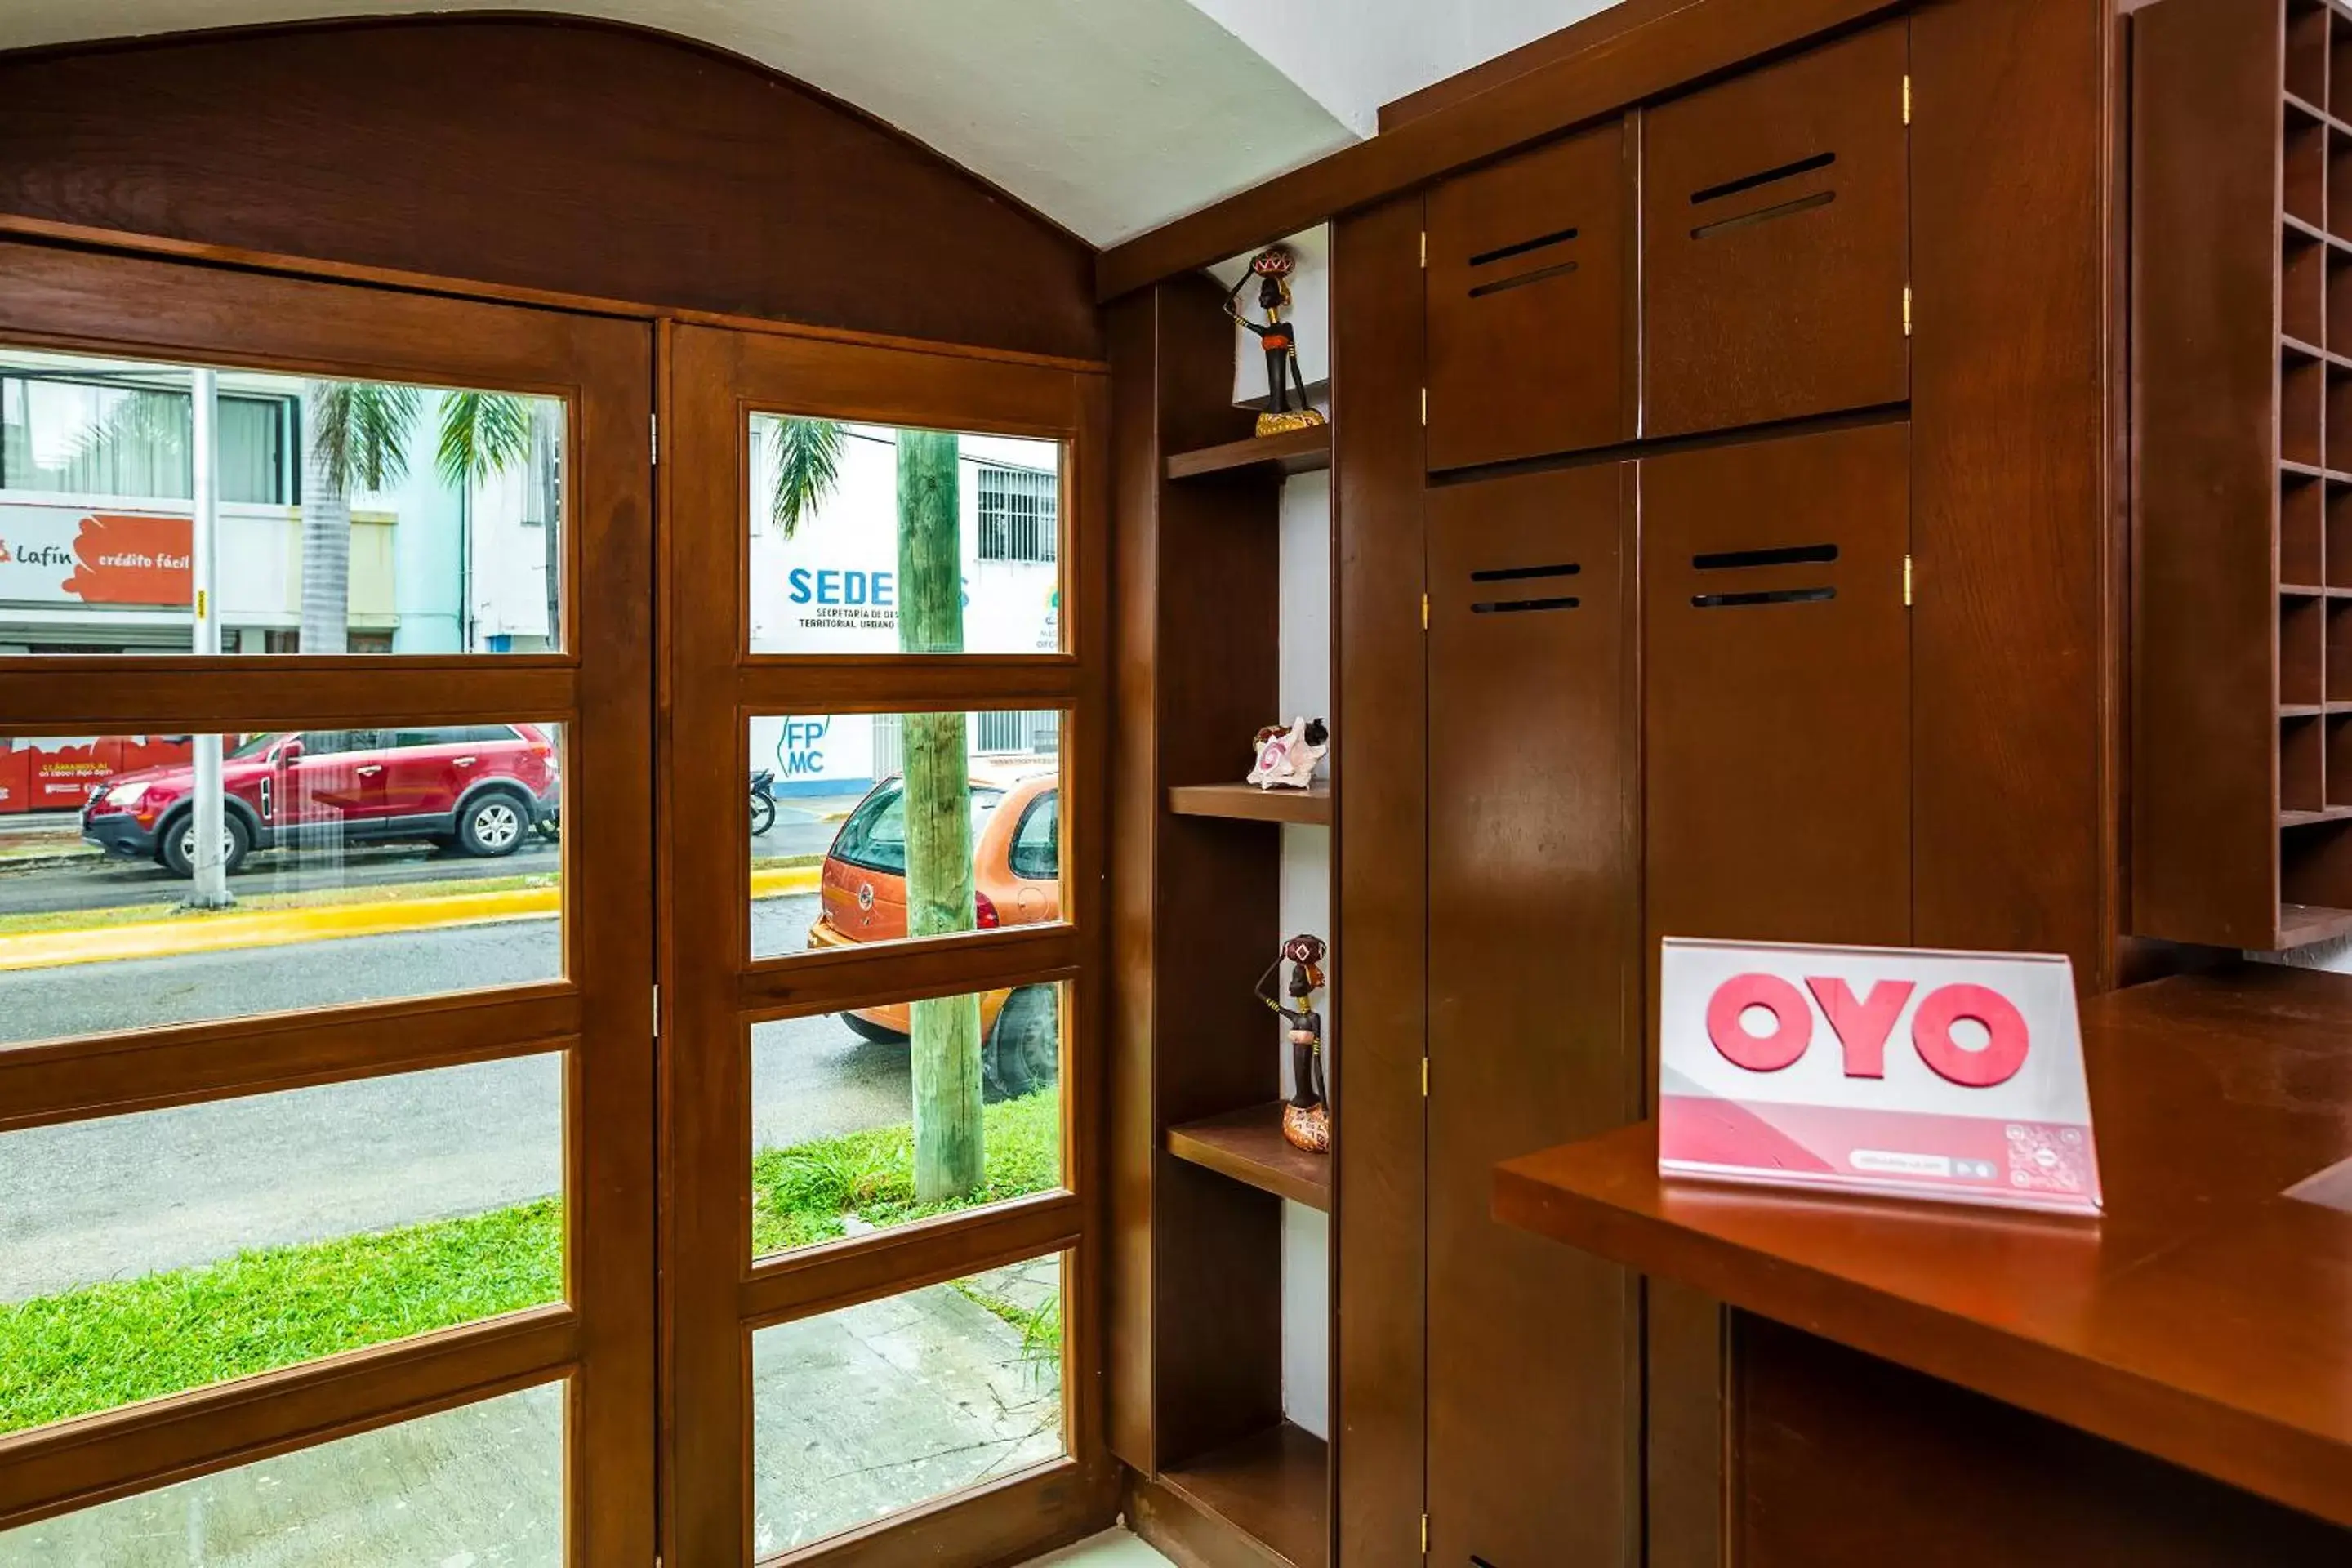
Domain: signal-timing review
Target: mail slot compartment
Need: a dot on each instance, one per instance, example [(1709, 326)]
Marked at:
[(1776, 217), (1776, 706), (1527, 304)]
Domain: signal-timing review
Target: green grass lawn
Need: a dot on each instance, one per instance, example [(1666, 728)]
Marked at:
[(106, 1345)]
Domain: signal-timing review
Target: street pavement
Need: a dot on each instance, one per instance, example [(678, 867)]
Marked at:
[(131, 1194)]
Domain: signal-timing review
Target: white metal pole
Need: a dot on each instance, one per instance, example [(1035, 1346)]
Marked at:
[(209, 888)]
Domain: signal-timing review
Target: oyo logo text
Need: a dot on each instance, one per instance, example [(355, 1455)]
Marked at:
[(1863, 1024)]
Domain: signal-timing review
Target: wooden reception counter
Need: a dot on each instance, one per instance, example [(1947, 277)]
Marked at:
[(2204, 1320)]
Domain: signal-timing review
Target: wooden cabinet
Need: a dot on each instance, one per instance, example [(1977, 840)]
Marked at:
[(1529, 304), (1775, 217), (1533, 1374), (2241, 725), (1776, 706)]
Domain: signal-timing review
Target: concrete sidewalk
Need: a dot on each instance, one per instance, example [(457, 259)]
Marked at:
[(856, 1415)]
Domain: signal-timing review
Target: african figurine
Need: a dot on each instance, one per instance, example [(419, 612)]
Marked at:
[(1307, 1118), (1272, 267), (1287, 755)]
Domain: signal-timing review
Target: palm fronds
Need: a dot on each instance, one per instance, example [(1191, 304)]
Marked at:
[(807, 457), (482, 433), (360, 432)]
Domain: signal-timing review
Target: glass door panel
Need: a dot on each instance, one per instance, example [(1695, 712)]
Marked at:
[(316, 971)]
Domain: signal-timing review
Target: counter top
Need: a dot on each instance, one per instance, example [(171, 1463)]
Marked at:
[(2206, 1318)]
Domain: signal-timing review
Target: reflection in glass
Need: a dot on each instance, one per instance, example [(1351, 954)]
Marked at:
[(354, 516), (869, 539), (859, 1413), (481, 1486), (829, 822), (357, 864), (865, 1120), (149, 1254)]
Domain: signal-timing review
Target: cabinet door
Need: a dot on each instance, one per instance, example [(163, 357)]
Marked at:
[(1776, 217), (1533, 1396), (1527, 300), (1776, 704)]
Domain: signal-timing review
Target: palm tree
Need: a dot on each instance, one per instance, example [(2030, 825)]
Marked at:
[(807, 457), (358, 440)]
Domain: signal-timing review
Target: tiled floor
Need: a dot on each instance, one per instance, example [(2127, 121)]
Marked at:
[(1111, 1549)]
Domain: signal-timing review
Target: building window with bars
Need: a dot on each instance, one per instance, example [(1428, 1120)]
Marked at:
[(1019, 513)]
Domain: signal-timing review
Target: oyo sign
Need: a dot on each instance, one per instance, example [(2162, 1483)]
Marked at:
[(1946, 1075)]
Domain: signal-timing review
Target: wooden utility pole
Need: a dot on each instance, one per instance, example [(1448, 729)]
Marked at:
[(950, 1158)]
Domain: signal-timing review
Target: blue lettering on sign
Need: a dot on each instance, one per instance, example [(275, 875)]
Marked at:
[(885, 591), (799, 579), (828, 587), (833, 586), (799, 752)]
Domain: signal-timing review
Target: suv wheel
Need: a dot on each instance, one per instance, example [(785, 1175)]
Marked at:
[(493, 824), (179, 844), (1024, 1053)]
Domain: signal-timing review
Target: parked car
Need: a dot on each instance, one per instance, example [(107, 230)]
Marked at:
[(480, 788), (1016, 826)]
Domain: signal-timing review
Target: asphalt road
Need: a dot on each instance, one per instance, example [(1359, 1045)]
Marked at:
[(802, 828), (130, 1195)]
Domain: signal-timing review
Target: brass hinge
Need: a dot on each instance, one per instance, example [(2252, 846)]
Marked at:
[(1425, 1535), (1906, 100), (1424, 250), (1906, 317), (1424, 612), (656, 1011), (1425, 1094), (1425, 406), (1906, 582), (653, 430)]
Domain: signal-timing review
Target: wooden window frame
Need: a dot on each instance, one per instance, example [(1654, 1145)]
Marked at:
[(715, 1295), (601, 1340)]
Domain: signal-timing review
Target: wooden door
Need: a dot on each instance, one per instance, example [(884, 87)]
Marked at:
[(1534, 1387), (1776, 702), (1776, 240), (330, 1211), (1530, 307), (879, 1134)]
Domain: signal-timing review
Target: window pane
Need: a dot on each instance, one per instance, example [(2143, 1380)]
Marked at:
[(830, 854), (866, 1119), (173, 1249), (864, 1412), (478, 1487), (363, 864), (869, 539), (354, 516)]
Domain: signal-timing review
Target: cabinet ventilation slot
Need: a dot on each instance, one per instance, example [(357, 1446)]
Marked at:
[(1505, 252), (1521, 573), (1517, 607), (1774, 596), (1778, 555), (1538, 276), (1749, 220), (1750, 182)]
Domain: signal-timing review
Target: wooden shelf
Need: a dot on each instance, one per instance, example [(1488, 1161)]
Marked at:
[(2301, 923), (1247, 803), (1293, 452), (1272, 1486), (1248, 1146)]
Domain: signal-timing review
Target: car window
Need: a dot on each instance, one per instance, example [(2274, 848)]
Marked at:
[(257, 746), (875, 836), (1037, 843), (333, 742)]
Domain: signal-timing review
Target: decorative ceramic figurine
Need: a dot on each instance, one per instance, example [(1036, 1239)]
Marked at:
[(1287, 757), (1307, 1118), (1272, 267)]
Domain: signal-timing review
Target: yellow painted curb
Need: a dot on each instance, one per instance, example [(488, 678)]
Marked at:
[(232, 930)]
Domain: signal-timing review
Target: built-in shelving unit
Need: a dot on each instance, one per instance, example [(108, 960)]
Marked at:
[(2243, 613), (1248, 1146), (1247, 803), (1218, 1347), (1270, 1486), (1292, 452)]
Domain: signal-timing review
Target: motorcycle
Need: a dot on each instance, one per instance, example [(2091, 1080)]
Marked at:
[(763, 801)]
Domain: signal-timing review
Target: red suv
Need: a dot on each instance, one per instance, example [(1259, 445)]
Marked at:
[(480, 787)]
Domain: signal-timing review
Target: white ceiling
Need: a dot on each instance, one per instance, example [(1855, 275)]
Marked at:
[(1108, 116)]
